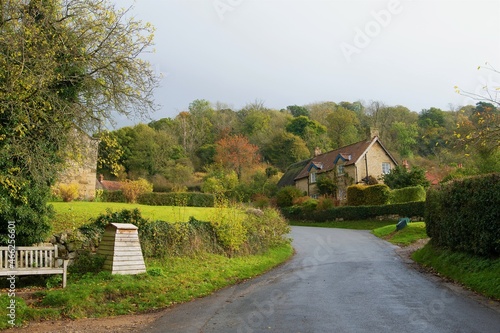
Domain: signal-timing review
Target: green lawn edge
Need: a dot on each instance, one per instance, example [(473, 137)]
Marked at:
[(479, 274), (412, 233), (72, 215), (168, 282), (355, 225)]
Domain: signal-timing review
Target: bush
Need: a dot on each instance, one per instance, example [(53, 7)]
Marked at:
[(230, 233), (93, 231), (285, 196), (464, 215), (87, 262), (327, 185), (300, 200), (400, 177), (408, 194), (161, 239), (133, 188), (326, 203), (376, 195), (265, 231), (371, 195), (67, 192), (30, 219), (190, 199), (261, 201), (413, 209), (309, 205), (355, 195), (113, 196)]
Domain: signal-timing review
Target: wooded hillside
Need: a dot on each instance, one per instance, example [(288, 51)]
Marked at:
[(217, 149)]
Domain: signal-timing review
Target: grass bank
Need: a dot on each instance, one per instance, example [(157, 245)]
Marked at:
[(404, 237), (71, 215), (356, 225), (167, 282), (476, 273)]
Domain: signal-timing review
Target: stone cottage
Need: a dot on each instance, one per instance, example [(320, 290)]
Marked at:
[(352, 164)]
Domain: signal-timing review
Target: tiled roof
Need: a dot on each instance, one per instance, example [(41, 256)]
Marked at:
[(109, 185), (351, 154), (293, 170)]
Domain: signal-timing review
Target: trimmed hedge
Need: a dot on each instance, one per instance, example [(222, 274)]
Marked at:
[(362, 195), (464, 215), (113, 196), (378, 194), (190, 199), (408, 194), (355, 212), (356, 195), (230, 233)]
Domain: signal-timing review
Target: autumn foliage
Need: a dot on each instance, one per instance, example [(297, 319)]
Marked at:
[(237, 153)]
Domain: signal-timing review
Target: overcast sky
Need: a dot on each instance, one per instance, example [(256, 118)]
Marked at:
[(286, 52)]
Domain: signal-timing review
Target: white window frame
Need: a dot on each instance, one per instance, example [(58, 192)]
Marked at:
[(386, 168), (340, 169), (312, 177)]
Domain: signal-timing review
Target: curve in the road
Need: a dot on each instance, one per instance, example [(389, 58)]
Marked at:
[(339, 281)]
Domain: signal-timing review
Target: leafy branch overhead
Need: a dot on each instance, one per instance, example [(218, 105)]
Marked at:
[(64, 65), (481, 128)]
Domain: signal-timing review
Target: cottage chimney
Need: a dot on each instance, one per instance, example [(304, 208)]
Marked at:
[(317, 151), (374, 132), (406, 165)]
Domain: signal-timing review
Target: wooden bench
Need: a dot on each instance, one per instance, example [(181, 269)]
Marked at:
[(31, 260)]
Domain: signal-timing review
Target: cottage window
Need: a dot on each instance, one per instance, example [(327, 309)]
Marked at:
[(312, 177), (386, 168), (340, 169)]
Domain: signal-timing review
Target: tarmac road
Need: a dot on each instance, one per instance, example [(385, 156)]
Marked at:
[(338, 281)]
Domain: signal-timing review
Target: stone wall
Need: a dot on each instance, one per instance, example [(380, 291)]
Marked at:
[(376, 156), (70, 243), (81, 166)]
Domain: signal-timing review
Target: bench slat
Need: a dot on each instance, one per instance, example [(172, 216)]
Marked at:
[(32, 260)]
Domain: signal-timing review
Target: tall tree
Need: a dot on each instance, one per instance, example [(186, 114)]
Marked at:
[(63, 64), (299, 126), (298, 111), (405, 137), (342, 127), (400, 177), (285, 149), (482, 128), (312, 132), (236, 153)]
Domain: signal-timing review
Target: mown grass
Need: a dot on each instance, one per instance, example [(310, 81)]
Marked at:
[(169, 281), (356, 225), (477, 273), (404, 237), (71, 215)]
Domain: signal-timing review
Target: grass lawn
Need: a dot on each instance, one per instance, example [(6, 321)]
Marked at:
[(167, 282), (477, 273), (71, 215), (357, 225), (410, 234)]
